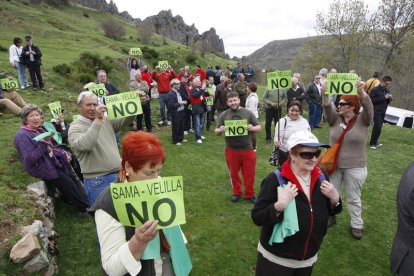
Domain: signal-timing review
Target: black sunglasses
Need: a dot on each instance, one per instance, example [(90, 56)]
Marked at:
[(343, 104), (308, 155)]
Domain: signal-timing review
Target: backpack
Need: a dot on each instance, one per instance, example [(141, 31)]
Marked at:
[(282, 180)]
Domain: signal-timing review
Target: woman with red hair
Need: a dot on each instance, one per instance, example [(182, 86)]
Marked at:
[(351, 162), (122, 247)]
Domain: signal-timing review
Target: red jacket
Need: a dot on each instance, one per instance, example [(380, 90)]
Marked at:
[(202, 74), (163, 80), (146, 76)]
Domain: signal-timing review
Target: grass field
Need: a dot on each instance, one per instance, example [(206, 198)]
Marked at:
[(222, 238)]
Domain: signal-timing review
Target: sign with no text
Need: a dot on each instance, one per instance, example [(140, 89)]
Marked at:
[(98, 89), (123, 105), (55, 109), (154, 199), (236, 127), (135, 52), (342, 84), (9, 84), (279, 80)]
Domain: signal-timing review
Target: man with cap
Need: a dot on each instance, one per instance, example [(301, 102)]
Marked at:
[(175, 105), (32, 58), (185, 95)]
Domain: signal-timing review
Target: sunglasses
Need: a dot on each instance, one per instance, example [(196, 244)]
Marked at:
[(308, 155), (343, 104)]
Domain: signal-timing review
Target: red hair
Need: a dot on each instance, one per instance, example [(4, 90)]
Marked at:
[(139, 148), (353, 100)]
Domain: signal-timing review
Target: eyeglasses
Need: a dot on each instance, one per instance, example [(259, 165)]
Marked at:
[(308, 155), (343, 104), (317, 78)]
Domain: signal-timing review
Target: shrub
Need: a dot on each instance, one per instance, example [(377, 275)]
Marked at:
[(62, 69), (191, 58), (150, 53), (86, 78), (3, 49), (113, 29), (85, 14)]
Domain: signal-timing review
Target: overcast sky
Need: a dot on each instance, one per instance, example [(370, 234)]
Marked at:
[(244, 26)]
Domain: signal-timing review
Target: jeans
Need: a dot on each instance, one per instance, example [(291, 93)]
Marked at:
[(315, 113), (376, 129), (163, 102), (21, 73), (94, 186), (198, 121)]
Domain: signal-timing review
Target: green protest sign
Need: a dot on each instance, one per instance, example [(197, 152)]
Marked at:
[(9, 84), (163, 63), (342, 84), (55, 109), (135, 52), (154, 199), (236, 127), (209, 101), (123, 105), (98, 89), (279, 80)]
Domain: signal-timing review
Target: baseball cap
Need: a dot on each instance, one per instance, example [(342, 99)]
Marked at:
[(304, 138)]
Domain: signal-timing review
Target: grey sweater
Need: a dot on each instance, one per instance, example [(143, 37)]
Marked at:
[(353, 150)]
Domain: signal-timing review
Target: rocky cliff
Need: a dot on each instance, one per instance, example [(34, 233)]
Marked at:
[(102, 5)]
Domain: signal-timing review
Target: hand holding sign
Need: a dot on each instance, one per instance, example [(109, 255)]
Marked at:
[(55, 109), (147, 232)]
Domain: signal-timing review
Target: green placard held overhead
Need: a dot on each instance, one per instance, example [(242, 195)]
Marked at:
[(163, 63), (55, 109), (135, 52), (123, 105), (279, 80), (342, 84), (236, 127), (9, 84), (98, 89), (154, 199)]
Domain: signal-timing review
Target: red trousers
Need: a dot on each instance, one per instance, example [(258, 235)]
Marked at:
[(244, 160)]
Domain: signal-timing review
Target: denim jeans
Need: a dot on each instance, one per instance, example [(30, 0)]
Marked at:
[(198, 121), (94, 186), (315, 114), (163, 101), (21, 73)]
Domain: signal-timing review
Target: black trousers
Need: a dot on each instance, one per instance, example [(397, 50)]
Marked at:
[(376, 129), (35, 75), (146, 114), (264, 267), (72, 191), (272, 115), (177, 125), (187, 119)]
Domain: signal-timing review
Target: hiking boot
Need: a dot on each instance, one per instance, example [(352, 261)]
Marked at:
[(356, 233)]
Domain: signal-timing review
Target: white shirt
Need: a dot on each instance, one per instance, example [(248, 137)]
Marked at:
[(15, 52), (252, 102), (291, 127)]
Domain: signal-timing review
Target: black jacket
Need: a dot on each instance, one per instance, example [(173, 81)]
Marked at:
[(312, 216), (172, 102), (378, 99), (313, 95), (37, 55)]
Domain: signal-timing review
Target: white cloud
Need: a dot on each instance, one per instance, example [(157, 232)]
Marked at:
[(244, 26)]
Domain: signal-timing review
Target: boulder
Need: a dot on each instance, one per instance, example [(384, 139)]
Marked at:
[(38, 188), (37, 263), (25, 248)]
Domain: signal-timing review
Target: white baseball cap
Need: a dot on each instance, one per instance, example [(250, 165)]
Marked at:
[(304, 138), (174, 81)]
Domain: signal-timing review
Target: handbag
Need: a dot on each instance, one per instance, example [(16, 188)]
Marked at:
[(20, 56), (328, 160)]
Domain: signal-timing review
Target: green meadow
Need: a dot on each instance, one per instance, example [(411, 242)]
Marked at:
[(222, 238)]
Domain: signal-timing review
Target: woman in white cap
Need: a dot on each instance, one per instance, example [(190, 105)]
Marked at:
[(293, 251)]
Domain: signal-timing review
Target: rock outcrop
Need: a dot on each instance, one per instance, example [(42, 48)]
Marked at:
[(102, 5)]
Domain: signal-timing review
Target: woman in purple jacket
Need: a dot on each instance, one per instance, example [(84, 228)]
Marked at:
[(43, 159)]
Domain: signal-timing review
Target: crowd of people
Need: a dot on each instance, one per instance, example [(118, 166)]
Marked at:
[(81, 160)]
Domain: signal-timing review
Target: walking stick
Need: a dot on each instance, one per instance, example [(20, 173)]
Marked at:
[(278, 130)]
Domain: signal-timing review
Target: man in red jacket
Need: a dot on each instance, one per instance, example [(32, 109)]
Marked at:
[(200, 72), (163, 79)]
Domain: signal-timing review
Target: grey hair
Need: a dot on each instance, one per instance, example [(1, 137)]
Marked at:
[(223, 78), (85, 94), (27, 109), (100, 71)]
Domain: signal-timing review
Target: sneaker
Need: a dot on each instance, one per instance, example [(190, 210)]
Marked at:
[(199, 141), (186, 133), (161, 123), (28, 85), (235, 198), (373, 147), (202, 137), (178, 144), (331, 220), (356, 233), (191, 130), (168, 123), (252, 200), (184, 140), (379, 145), (34, 88)]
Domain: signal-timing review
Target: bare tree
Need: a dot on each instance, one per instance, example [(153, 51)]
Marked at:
[(145, 31), (393, 22), (113, 29)]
